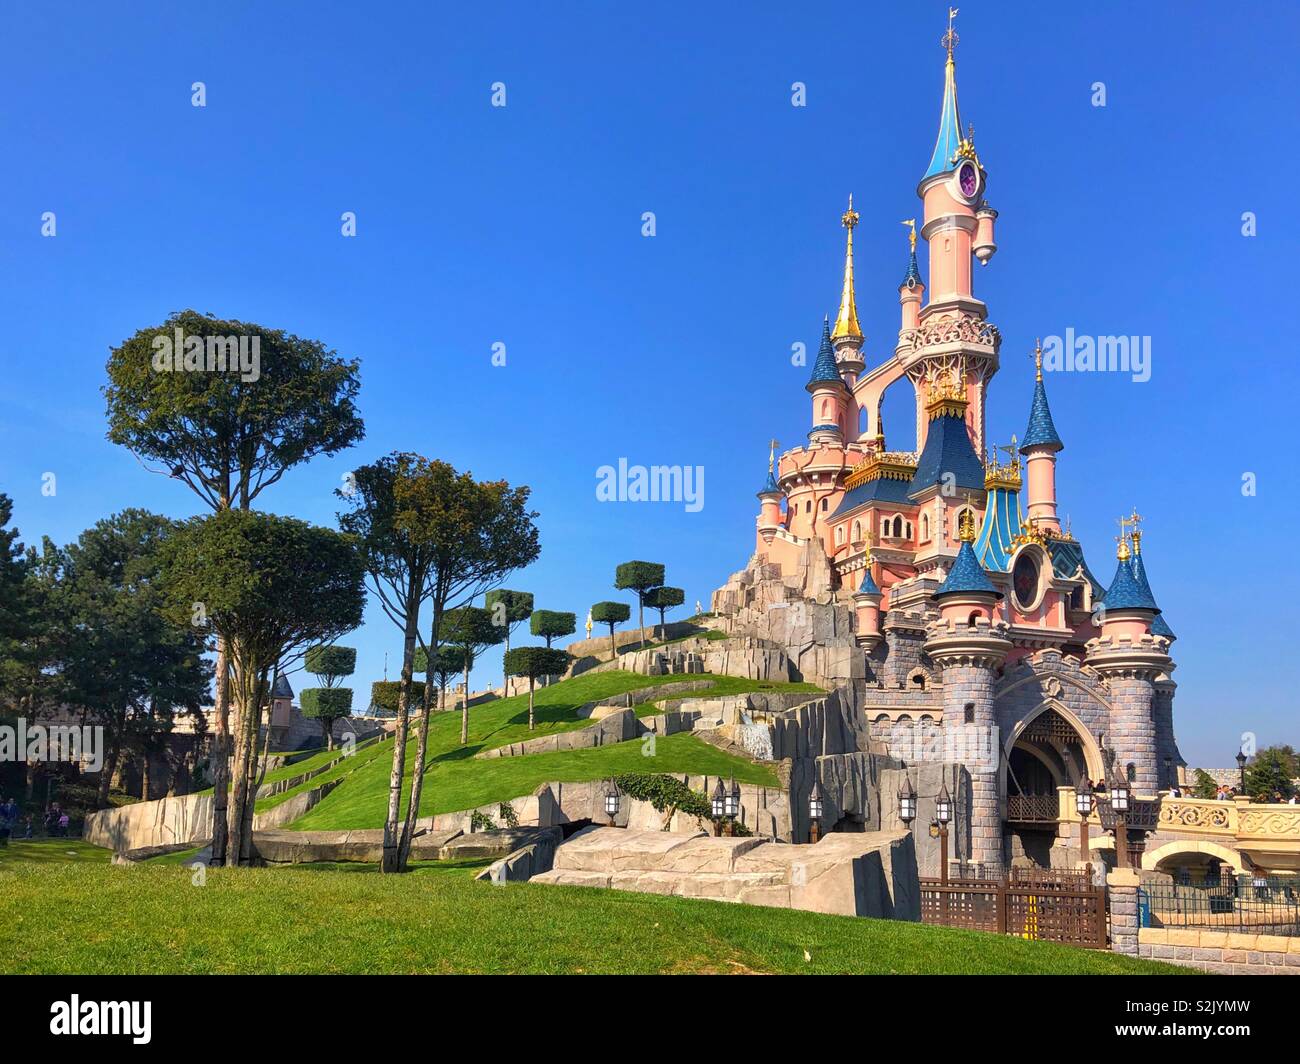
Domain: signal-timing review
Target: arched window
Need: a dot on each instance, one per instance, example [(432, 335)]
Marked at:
[(839, 534), (972, 619), (925, 526), (857, 531), (898, 527), (826, 409), (825, 502)]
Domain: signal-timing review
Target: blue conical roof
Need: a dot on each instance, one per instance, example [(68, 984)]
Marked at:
[(967, 575), (945, 147), (770, 485), (1041, 431), (868, 585), (1158, 626), (1126, 592), (913, 275), (824, 369)]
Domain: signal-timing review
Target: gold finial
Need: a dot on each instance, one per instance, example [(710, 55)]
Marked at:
[(949, 39), (771, 454), (1135, 536), (846, 322), (966, 522), (911, 236), (1122, 552), (1038, 358)]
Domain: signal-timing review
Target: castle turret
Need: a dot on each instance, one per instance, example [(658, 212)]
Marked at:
[(1168, 757), (829, 395), (970, 645), (847, 335), (1040, 448), (1132, 661), (769, 498), (912, 290), (866, 603)]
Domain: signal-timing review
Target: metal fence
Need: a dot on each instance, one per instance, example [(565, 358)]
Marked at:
[(1236, 903), (1056, 907)]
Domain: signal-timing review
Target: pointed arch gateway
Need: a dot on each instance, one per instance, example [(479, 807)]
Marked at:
[(1047, 749)]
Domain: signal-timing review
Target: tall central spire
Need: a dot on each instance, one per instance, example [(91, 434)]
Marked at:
[(950, 138), (846, 323)]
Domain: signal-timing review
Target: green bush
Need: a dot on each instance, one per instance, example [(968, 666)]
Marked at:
[(552, 624), (384, 694), (610, 612), (536, 662), (326, 703), (331, 661)]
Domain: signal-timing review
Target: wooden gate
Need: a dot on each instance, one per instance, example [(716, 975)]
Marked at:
[(1047, 906)]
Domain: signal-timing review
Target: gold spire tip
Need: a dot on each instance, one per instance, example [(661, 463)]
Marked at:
[(911, 236), (950, 39), (1038, 358), (846, 321)]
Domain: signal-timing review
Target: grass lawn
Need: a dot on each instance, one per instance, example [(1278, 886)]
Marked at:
[(65, 918), (51, 851), (456, 781)]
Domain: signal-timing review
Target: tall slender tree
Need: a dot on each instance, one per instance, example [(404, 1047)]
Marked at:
[(534, 663), (447, 662), (611, 613), (552, 624), (509, 610), (664, 599), (228, 434), (471, 630)]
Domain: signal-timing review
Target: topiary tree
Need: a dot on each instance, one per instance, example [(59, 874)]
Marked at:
[(552, 624), (664, 599), (331, 702), (446, 663), (535, 662), (611, 613), (385, 695), (640, 577), (470, 629), (509, 610)]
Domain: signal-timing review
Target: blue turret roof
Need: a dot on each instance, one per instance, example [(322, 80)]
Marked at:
[(770, 485), (996, 543), (948, 453), (1126, 593), (1158, 626), (967, 575), (868, 586), (913, 275), (1041, 431), (824, 369), (945, 147)]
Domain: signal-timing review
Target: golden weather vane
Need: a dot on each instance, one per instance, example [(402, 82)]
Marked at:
[(911, 236), (850, 217), (950, 38), (1038, 357), (771, 454)]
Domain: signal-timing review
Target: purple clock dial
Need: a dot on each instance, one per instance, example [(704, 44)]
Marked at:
[(967, 179)]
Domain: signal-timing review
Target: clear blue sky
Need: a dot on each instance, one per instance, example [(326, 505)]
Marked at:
[(522, 225)]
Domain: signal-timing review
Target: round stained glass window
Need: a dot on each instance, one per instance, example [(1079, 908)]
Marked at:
[(1024, 580), (968, 180)]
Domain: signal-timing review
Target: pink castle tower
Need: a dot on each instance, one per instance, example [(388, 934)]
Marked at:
[(964, 608)]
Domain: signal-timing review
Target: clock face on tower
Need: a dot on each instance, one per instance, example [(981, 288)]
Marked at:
[(968, 179)]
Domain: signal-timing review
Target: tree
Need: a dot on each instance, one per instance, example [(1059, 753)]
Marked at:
[(386, 694), (268, 586), (126, 665), (331, 702), (447, 662), (478, 534), (535, 662), (228, 435), (17, 615), (640, 577), (1271, 772), (552, 624), (509, 609), (611, 613), (1203, 784), (664, 599), (471, 630)]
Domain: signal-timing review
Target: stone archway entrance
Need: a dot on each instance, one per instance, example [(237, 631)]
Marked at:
[(1048, 750)]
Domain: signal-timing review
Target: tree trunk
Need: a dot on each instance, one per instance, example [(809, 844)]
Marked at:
[(243, 748), (442, 694), (505, 679), (421, 752), (144, 776), (531, 721), (640, 616), (218, 759), (391, 862), (256, 765), (106, 773), (464, 707), (31, 781), (613, 650)]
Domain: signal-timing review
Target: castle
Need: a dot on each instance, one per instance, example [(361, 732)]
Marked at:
[(922, 582)]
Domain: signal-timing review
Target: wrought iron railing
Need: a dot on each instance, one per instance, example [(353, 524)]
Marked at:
[(1033, 808), (1234, 903), (1051, 913)]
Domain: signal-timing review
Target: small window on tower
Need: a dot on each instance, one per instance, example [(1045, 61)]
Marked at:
[(807, 507), (824, 502), (969, 715)]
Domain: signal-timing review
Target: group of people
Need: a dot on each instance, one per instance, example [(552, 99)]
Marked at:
[(12, 822), (1224, 793)]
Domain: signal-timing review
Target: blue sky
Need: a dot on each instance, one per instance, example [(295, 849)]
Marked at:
[(522, 225)]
